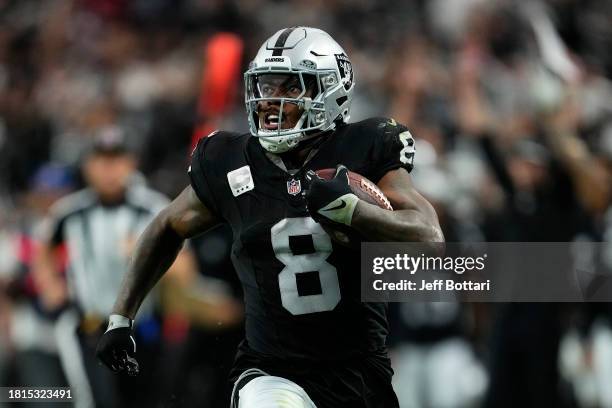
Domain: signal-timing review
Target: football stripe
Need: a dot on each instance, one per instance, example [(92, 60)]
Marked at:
[(281, 40)]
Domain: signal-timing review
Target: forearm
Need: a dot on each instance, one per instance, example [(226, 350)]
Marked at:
[(589, 180), (377, 224), (497, 163), (156, 250)]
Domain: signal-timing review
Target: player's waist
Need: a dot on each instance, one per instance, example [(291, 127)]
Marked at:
[(347, 375), (315, 359)]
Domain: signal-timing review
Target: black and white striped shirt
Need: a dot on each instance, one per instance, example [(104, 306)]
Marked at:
[(99, 240)]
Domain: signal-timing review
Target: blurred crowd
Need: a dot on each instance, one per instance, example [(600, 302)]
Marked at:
[(510, 103)]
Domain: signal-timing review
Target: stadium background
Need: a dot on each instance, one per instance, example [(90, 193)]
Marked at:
[(510, 104)]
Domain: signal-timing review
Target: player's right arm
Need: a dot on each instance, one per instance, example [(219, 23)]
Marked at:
[(158, 247), (156, 250)]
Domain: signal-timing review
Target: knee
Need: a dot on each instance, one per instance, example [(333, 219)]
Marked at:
[(273, 392)]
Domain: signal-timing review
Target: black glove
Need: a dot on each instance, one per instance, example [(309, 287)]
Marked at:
[(332, 199), (117, 347)]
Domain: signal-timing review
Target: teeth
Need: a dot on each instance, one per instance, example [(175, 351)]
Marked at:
[(272, 120)]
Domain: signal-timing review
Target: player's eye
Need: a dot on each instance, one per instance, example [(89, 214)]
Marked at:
[(266, 90), (294, 90)]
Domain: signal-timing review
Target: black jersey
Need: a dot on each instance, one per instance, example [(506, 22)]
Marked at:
[(302, 290)]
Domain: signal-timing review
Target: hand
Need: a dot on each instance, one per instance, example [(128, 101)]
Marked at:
[(117, 347), (332, 199), (54, 298)]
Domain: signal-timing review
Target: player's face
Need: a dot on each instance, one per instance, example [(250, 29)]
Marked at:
[(279, 86)]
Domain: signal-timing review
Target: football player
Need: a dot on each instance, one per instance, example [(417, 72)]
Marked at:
[(310, 342)]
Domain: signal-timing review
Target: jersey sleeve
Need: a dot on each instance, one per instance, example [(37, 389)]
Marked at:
[(51, 229), (197, 174), (393, 148)]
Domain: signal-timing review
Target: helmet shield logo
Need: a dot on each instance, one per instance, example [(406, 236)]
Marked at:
[(346, 70)]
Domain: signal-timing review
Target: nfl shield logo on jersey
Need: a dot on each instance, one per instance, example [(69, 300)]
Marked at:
[(294, 187)]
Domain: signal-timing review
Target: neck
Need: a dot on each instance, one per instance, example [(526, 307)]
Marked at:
[(295, 158), (112, 200)]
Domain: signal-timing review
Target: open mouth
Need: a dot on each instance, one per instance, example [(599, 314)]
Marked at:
[(271, 121)]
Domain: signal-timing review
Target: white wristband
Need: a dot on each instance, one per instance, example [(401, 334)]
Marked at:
[(116, 321)]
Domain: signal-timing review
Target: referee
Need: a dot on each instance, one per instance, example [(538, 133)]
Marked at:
[(84, 255)]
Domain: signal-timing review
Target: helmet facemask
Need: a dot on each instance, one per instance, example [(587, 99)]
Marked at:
[(279, 88)]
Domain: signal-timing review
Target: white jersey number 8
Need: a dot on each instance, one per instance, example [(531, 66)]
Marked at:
[(305, 263), (407, 152)]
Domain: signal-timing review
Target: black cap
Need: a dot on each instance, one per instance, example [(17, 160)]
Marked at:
[(110, 140)]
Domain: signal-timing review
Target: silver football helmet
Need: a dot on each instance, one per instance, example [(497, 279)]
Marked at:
[(302, 66)]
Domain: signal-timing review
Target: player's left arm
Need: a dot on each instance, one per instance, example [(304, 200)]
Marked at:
[(413, 219), (392, 154)]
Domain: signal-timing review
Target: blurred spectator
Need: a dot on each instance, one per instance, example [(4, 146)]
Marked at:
[(431, 347), (29, 329), (90, 236)]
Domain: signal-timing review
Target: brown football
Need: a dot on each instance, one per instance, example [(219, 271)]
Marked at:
[(361, 187), (367, 191)]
